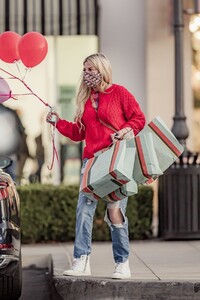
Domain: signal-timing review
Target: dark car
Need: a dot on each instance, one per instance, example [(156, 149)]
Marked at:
[(10, 236)]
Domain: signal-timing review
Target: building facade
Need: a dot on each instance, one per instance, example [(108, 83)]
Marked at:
[(138, 38)]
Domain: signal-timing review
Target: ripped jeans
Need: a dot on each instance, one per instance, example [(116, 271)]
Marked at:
[(84, 224)]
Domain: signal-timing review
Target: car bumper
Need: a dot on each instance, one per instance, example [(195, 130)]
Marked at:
[(5, 260)]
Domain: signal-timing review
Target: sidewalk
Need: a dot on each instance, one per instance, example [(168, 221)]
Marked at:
[(154, 264), (149, 260)]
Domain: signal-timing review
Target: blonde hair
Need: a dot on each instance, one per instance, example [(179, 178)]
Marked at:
[(101, 63)]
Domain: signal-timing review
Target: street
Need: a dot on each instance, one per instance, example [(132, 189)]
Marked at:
[(36, 278)]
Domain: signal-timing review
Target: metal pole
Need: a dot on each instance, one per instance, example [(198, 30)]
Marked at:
[(196, 6), (179, 128)]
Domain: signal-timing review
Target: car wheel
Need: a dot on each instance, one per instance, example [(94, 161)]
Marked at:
[(11, 286), (17, 280)]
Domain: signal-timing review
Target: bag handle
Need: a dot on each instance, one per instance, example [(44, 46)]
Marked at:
[(109, 126), (95, 104)]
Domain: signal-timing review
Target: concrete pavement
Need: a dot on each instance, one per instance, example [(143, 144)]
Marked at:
[(160, 270), (37, 277)]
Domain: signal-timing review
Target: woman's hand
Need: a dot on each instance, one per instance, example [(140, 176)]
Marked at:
[(119, 135), (52, 118)]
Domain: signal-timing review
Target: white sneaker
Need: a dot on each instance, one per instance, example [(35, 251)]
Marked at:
[(80, 267), (122, 270)]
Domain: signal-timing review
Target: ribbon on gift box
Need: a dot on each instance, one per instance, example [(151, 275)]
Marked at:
[(112, 172), (146, 167), (126, 190), (148, 159), (107, 172), (167, 147), (167, 137), (88, 189)]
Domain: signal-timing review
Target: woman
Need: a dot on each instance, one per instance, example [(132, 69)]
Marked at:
[(105, 113)]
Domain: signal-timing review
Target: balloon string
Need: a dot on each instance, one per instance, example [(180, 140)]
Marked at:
[(26, 71), (15, 77), (10, 94), (18, 68), (1, 78), (25, 94), (55, 153)]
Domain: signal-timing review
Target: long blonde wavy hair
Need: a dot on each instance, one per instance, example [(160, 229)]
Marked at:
[(101, 63)]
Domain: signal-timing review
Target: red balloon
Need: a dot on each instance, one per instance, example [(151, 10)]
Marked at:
[(32, 48), (9, 46)]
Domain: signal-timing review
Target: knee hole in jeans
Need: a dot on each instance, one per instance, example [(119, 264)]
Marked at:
[(115, 216)]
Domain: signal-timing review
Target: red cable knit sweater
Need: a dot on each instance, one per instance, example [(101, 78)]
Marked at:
[(117, 107)]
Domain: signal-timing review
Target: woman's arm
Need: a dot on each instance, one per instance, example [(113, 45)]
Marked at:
[(132, 111), (70, 130), (74, 131)]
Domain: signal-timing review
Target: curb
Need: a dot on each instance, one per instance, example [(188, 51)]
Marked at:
[(70, 288)]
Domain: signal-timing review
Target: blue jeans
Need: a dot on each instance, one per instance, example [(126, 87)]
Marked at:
[(84, 223)]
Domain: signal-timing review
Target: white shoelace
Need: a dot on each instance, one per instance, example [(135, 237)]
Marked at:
[(121, 267), (78, 262)]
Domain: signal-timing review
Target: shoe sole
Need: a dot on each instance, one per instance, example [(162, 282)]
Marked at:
[(121, 277), (77, 274)]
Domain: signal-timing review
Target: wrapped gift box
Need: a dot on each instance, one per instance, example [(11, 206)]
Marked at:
[(126, 190), (108, 171), (146, 166), (167, 147)]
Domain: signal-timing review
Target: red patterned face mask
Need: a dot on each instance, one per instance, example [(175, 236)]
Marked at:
[(92, 80)]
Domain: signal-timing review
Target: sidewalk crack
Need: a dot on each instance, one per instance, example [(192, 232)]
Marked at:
[(142, 261)]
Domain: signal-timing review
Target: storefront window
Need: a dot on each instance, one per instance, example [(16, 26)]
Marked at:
[(194, 28)]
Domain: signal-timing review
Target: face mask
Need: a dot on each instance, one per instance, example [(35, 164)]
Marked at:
[(92, 80)]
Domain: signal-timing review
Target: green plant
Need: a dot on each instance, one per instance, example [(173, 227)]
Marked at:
[(48, 214)]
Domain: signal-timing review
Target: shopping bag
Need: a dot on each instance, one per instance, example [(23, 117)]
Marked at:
[(126, 190), (146, 167), (167, 147), (109, 170)]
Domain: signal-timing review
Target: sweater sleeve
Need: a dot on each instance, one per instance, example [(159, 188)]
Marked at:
[(133, 113), (71, 130)]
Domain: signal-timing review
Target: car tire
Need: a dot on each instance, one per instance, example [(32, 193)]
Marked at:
[(11, 286), (17, 280)]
